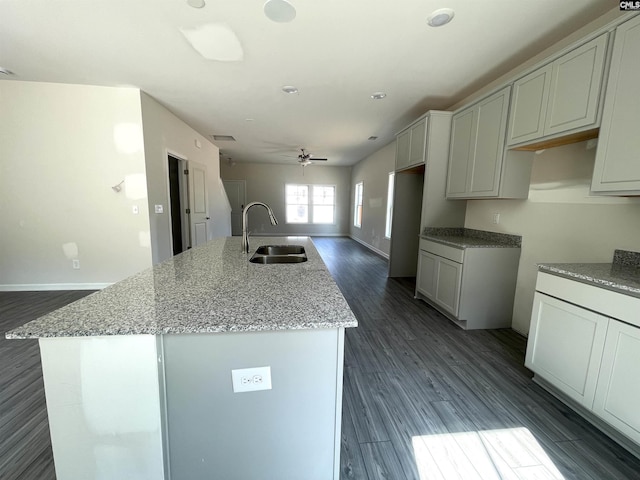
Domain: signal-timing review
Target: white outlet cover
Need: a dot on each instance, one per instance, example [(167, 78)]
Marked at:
[(159, 209), (251, 379)]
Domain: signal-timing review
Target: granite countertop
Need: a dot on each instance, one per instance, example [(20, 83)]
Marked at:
[(622, 275), (470, 238), (212, 288)]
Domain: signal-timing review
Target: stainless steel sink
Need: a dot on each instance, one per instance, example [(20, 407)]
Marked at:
[(280, 250), (270, 254)]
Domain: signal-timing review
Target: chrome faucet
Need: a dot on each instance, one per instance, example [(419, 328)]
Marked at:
[(245, 231)]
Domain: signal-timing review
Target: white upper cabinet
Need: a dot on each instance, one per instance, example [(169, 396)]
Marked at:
[(617, 167), (479, 167), (411, 144), (561, 97)]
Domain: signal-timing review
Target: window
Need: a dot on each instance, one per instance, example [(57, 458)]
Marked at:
[(357, 213), (387, 227), (310, 203)]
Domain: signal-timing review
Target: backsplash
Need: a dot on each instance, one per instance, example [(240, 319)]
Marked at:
[(626, 258)]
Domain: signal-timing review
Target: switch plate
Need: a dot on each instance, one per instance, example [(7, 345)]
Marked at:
[(75, 263), (159, 209), (251, 379)]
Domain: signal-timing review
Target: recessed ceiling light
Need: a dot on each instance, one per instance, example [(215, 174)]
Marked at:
[(6, 71), (440, 17), (279, 11), (196, 3), (289, 89), (378, 95), (372, 137)]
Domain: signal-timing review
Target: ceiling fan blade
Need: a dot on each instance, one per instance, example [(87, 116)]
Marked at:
[(314, 159)]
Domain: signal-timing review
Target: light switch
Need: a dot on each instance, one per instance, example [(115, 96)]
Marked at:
[(135, 209), (159, 209)]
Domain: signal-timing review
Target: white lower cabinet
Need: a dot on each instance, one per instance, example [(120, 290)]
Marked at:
[(474, 287), (440, 280), (590, 355), (565, 346), (618, 391)]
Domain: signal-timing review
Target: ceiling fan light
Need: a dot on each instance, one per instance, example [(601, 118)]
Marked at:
[(289, 89), (279, 11), (378, 95)]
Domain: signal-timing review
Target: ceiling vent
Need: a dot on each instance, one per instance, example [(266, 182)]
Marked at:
[(223, 138)]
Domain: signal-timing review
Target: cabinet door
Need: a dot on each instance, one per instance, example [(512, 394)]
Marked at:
[(528, 106), (576, 79), (418, 141), (403, 146), (448, 279), (618, 390), (565, 346), (491, 126), (617, 167), (462, 138), (426, 278)]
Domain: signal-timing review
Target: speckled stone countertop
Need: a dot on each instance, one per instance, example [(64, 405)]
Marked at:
[(212, 288), (470, 238), (622, 275)]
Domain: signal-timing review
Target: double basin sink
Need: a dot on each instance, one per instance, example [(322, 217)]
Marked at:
[(269, 254)]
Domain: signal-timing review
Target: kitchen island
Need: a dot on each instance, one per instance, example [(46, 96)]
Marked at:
[(138, 376)]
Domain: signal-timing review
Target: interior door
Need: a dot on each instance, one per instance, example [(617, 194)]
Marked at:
[(236, 194), (198, 203)]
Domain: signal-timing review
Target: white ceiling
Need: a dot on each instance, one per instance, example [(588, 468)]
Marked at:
[(337, 52)]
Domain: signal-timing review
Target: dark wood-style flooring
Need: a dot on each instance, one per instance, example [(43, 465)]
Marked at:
[(25, 447), (423, 399), (426, 400)]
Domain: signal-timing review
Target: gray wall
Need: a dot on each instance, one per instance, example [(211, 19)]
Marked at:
[(265, 183), (62, 148), (164, 134), (373, 171), (560, 222)]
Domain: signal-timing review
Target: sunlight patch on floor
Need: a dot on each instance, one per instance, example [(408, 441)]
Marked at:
[(506, 454)]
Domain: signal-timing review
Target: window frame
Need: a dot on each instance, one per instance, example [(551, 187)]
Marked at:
[(388, 225), (357, 222), (310, 204)]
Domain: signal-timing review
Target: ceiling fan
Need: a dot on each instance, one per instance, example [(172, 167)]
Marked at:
[(305, 158)]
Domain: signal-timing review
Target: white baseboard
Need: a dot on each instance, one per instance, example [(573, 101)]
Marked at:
[(370, 247), (37, 287)]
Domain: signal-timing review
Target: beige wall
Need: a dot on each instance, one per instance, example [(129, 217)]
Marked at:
[(560, 222), (265, 183), (62, 148), (373, 171), (164, 134)]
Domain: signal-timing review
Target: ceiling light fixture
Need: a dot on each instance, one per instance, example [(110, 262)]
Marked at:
[(440, 17), (289, 89), (279, 11), (372, 138), (6, 71), (196, 3), (378, 95)]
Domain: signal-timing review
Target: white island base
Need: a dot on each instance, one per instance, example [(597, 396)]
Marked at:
[(149, 407)]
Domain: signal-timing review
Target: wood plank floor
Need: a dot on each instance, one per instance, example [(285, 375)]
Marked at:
[(426, 400), (422, 399), (25, 447)]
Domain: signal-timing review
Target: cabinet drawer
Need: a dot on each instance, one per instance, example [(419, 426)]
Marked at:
[(451, 253)]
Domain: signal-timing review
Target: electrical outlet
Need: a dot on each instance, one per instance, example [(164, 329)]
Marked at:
[(135, 209), (159, 209), (75, 263), (496, 218), (251, 379)]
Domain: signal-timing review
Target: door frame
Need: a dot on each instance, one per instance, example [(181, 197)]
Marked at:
[(183, 184)]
